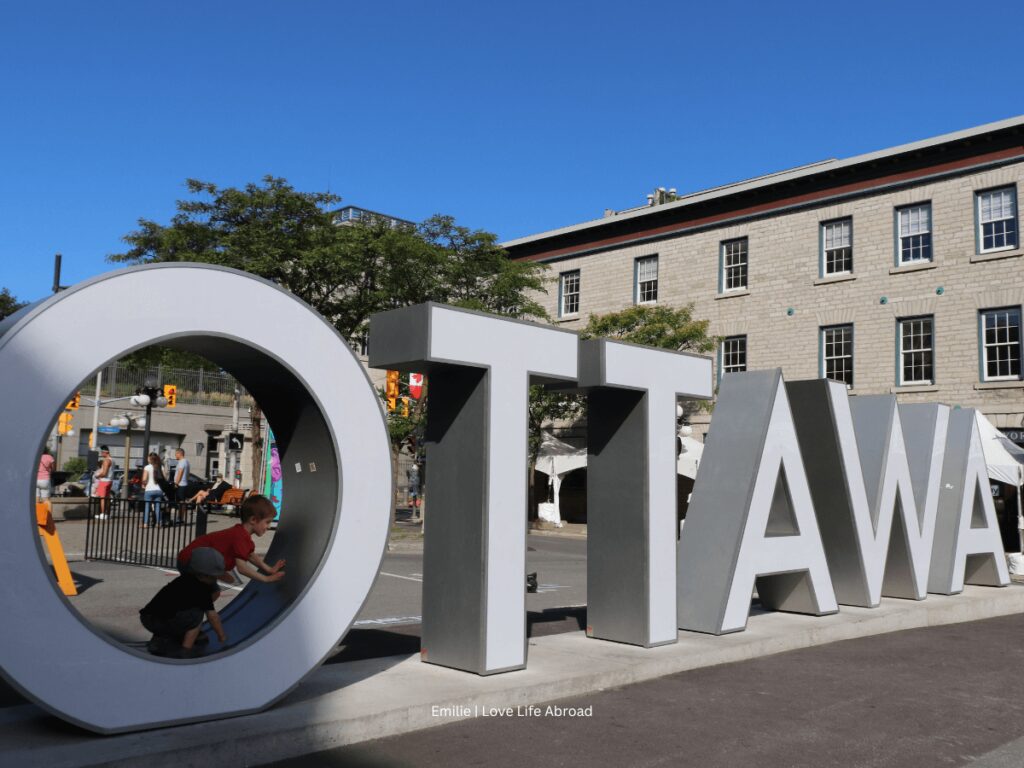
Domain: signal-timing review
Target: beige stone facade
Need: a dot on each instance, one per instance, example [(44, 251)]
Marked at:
[(787, 300)]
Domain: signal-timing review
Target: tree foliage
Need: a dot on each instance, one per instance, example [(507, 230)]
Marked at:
[(657, 326), (346, 273), (8, 303)]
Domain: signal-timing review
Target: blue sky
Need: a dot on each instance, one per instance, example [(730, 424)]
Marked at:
[(514, 118)]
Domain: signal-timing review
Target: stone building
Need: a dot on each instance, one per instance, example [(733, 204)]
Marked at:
[(897, 271)]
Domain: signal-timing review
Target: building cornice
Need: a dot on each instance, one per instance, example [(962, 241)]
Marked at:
[(822, 183)]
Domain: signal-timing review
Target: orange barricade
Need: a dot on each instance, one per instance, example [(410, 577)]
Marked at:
[(48, 530)]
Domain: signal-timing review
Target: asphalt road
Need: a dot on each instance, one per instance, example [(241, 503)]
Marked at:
[(110, 595), (944, 696)]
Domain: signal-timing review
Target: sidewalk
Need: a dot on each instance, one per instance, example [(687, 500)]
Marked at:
[(342, 704)]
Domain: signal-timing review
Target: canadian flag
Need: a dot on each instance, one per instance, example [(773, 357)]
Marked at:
[(416, 385)]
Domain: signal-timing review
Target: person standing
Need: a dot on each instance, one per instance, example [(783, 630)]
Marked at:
[(44, 475), (181, 483), (413, 477), (103, 481), (152, 475)]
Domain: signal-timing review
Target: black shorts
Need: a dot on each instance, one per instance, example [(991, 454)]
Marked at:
[(176, 626), (181, 493)]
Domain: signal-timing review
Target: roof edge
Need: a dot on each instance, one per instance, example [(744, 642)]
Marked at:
[(766, 180)]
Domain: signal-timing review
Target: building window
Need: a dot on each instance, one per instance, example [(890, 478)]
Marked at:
[(734, 265), (837, 247), (997, 219), (734, 354), (837, 353), (914, 233), (916, 350), (647, 280), (569, 291), (1000, 344)]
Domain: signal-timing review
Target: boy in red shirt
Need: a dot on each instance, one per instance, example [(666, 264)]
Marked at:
[(236, 545)]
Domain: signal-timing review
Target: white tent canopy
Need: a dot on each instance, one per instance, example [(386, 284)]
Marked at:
[(1002, 457), (556, 459), (1004, 460)]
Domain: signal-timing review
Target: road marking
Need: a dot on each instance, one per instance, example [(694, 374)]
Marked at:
[(399, 576), (392, 620), (542, 588)]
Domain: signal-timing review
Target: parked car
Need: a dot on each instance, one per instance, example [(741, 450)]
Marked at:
[(83, 485)]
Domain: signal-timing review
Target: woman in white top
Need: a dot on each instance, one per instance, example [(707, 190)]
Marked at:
[(151, 477)]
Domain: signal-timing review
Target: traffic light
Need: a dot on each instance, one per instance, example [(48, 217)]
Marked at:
[(64, 423), (391, 390), (171, 393), (74, 402), (405, 407)]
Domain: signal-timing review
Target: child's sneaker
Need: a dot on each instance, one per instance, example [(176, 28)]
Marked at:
[(160, 646)]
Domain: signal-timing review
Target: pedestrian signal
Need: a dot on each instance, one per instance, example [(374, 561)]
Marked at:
[(391, 390), (64, 423), (171, 393), (74, 402)]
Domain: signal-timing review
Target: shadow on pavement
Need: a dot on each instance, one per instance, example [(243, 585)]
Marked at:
[(83, 583), (353, 757), (555, 621), (376, 643)]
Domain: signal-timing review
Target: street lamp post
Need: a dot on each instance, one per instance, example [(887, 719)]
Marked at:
[(147, 396), (126, 421)]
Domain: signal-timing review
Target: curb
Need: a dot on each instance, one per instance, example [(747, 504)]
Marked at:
[(344, 704)]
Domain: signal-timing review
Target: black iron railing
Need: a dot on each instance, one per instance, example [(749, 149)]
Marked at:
[(127, 536)]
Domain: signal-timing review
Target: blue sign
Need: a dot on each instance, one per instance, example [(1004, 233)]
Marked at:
[(108, 430)]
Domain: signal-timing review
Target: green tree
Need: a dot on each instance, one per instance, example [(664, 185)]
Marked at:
[(75, 466), (657, 326), (8, 304), (346, 273)]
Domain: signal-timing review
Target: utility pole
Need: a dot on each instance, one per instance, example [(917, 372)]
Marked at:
[(57, 287), (235, 456), (93, 441)]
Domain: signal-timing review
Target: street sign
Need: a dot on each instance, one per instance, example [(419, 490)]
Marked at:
[(108, 430), (236, 440)]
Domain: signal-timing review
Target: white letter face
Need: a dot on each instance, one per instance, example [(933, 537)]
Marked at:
[(333, 537), (861, 483), (474, 560), (751, 517), (968, 547), (631, 486)]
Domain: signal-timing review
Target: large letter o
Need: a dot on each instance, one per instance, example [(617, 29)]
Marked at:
[(336, 458)]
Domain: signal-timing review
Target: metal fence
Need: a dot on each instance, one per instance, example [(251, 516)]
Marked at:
[(125, 537), (195, 386)]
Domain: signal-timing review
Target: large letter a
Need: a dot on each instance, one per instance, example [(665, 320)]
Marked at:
[(751, 518)]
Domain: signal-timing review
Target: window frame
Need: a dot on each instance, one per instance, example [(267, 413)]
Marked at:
[(983, 345), (898, 212), (979, 231), (723, 275), (823, 249), (562, 294), (723, 354), (901, 352), (823, 358), (638, 289)]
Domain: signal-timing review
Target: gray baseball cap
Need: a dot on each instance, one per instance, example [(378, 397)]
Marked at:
[(206, 561)]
